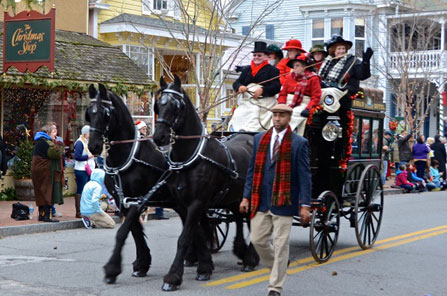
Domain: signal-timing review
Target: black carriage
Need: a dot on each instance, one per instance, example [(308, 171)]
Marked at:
[(345, 184)]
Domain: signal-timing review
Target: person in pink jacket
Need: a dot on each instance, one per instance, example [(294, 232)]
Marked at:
[(402, 179)]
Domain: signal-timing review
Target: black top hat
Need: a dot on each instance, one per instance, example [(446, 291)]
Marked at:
[(337, 39), (260, 46)]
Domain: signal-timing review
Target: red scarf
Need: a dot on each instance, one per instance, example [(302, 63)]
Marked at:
[(255, 68), (300, 87), (283, 166)]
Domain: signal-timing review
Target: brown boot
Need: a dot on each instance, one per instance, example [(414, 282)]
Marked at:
[(78, 205)]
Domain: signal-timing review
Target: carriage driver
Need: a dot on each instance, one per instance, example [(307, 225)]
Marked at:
[(278, 184), (258, 93)]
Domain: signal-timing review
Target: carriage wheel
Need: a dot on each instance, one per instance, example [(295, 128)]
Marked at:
[(368, 207), (353, 178), (219, 229), (324, 227)]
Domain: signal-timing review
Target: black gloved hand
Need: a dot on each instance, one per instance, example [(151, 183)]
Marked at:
[(367, 55), (305, 113)]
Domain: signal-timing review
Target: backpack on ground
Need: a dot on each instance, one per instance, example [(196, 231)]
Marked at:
[(20, 211)]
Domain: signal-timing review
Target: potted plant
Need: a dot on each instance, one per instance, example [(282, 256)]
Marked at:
[(21, 170)]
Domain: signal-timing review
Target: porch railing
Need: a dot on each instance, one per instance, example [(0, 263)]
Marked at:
[(422, 61)]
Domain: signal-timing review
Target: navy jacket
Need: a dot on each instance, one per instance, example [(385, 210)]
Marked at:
[(301, 178), (270, 88)]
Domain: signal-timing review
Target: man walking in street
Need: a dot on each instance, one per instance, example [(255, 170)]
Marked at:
[(278, 187)]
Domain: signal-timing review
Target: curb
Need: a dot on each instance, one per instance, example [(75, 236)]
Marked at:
[(393, 191), (63, 225)]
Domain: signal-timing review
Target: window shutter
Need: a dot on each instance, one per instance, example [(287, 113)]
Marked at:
[(270, 32), (245, 30)]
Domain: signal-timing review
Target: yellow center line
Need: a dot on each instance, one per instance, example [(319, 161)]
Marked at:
[(336, 259), (259, 272)]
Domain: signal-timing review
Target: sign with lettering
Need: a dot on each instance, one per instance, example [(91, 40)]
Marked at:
[(28, 41), (371, 100)]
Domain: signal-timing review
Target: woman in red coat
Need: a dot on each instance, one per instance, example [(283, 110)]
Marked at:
[(301, 90)]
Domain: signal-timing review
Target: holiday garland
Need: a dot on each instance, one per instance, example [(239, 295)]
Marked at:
[(343, 163)]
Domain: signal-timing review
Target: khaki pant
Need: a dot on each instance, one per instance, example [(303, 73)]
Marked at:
[(102, 220), (263, 225)]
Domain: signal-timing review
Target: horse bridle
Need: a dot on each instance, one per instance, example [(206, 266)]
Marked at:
[(108, 111), (179, 105)]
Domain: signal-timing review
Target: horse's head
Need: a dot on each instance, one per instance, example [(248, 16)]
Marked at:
[(98, 114), (170, 109)]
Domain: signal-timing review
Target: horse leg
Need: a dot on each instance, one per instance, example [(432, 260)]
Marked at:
[(205, 266), (239, 244), (143, 261), (173, 279), (113, 268), (251, 258)]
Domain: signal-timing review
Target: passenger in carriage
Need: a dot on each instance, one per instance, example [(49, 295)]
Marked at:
[(318, 54), (303, 88), (275, 54), (260, 82), (294, 49), (343, 72)]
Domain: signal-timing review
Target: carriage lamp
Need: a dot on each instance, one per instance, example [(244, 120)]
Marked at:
[(332, 130)]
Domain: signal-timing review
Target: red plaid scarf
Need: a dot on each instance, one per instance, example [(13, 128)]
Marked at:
[(281, 183), (300, 87)]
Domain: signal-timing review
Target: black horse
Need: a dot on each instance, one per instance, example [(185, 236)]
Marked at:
[(208, 174), (127, 164)]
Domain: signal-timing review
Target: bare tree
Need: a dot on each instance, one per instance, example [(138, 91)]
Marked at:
[(410, 60), (202, 33)]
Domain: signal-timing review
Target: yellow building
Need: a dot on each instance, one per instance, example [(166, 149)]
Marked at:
[(151, 31)]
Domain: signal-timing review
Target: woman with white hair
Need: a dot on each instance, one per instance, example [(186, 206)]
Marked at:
[(84, 164)]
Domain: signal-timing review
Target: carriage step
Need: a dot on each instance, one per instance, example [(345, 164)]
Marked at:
[(131, 201)]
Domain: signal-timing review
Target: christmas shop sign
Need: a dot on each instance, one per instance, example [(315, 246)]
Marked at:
[(28, 42)]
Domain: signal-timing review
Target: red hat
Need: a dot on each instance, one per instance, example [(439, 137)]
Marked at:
[(301, 58), (140, 124), (294, 44)]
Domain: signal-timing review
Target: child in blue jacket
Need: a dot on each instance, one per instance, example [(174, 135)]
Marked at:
[(91, 203)]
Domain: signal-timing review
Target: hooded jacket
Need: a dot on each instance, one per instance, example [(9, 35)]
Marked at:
[(91, 193), (401, 178)]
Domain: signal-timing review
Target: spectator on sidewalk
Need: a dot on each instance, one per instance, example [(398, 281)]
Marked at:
[(386, 150), (395, 153), (3, 160), (436, 175), (440, 154), (420, 156), (93, 215), (405, 154), (414, 179), (402, 180)]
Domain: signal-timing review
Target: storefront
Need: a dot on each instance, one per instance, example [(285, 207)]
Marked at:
[(30, 100)]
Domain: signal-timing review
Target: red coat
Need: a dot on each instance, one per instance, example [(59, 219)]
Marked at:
[(313, 90), (283, 69)]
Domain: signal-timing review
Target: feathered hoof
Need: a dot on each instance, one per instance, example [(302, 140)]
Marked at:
[(139, 274), (110, 280), (189, 263), (167, 287), (202, 277), (247, 268)]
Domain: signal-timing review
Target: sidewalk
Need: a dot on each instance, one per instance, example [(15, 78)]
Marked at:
[(9, 226)]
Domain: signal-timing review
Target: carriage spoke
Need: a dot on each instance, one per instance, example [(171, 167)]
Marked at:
[(375, 218), (326, 245)]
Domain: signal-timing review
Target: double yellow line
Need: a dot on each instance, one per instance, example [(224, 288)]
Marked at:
[(262, 275)]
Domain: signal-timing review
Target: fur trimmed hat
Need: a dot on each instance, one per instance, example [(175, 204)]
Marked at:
[(140, 124)]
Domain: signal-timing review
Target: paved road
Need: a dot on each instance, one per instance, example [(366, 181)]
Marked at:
[(409, 259)]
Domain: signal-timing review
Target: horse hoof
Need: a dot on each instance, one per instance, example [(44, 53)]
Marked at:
[(110, 280), (138, 274), (169, 287), (203, 277), (189, 263), (247, 268)]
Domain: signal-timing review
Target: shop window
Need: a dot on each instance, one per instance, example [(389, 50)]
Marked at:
[(337, 26), (359, 36), (317, 31)]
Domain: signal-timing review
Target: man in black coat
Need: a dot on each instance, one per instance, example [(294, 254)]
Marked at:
[(440, 154), (3, 160), (259, 71)]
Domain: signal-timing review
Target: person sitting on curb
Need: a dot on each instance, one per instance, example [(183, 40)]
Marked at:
[(402, 180), (91, 210), (413, 178), (437, 176)]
